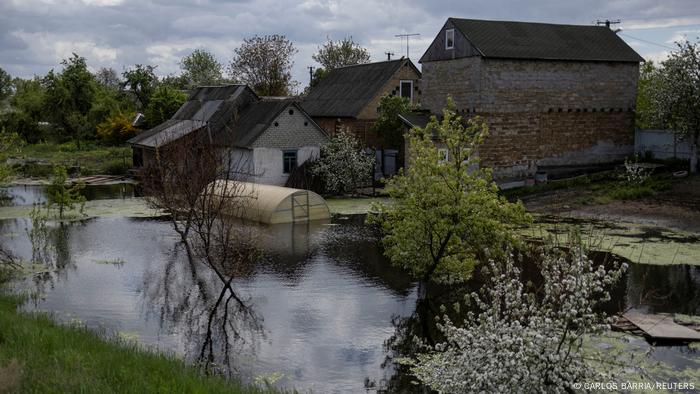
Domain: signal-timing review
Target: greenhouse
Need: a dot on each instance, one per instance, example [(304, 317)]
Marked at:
[(272, 204)]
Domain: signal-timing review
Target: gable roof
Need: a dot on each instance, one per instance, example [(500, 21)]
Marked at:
[(234, 114), (257, 119), (346, 90), (215, 106), (545, 41)]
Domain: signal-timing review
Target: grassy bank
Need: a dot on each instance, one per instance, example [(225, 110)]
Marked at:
[(601, 188), (38, 160), (39, 355)]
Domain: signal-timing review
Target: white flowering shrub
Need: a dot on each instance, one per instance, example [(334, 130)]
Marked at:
[(343, 166), (519, 340), (634, 173)]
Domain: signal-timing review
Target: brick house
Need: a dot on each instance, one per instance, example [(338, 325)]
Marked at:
[(552, 95), (348, 97), (269, 137)]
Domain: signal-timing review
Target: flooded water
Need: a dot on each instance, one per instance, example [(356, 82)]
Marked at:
[(322, 310), (36, 194), (321, 301)]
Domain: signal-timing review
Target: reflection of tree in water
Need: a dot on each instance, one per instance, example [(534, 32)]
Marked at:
[(664, 288), (51, 254), (215, 322)]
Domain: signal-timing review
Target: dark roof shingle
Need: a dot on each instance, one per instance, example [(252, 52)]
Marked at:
[(545, 41), (346, 90)]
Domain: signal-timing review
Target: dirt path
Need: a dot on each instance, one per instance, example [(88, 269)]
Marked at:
[(677, 208)]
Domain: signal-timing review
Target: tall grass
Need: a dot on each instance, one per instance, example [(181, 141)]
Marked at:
[(37, 355)]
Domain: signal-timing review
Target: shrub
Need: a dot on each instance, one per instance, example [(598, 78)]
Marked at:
[(524, 338), (118, 128)]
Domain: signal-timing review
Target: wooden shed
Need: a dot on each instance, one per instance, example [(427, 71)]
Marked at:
[(274, 204)]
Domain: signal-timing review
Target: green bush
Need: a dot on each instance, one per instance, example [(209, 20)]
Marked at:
[(117, 167)]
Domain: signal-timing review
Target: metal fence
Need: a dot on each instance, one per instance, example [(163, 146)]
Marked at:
[(661, 144)]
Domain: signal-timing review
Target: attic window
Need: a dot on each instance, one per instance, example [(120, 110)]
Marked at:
[(291, 112), (277, 124), (449, 38), (407, 89)]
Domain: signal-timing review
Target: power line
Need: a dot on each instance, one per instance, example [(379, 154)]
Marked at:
[(648, 42)]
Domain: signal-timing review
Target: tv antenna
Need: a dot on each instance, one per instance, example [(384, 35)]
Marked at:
[(608, 23), (311, 74), (408, 36), (389, 54)]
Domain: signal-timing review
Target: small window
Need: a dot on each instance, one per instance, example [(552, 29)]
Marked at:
[(277, 124), (449, 38), (289, 161), (291, 112), (407, 90), (444, 154)]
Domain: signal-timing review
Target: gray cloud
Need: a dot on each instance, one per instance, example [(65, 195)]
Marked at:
[(36, 34)]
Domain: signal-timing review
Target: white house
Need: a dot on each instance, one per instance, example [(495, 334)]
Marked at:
[(267, 137)]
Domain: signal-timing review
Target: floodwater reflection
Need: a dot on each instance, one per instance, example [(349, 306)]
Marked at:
[(322, 309), (314, 311)]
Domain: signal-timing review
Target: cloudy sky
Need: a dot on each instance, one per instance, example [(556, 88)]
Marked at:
[(36, 34)]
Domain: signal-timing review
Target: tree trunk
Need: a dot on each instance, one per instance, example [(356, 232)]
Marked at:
[(694, 154)]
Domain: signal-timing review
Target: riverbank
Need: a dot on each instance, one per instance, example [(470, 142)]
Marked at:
[(38, 160), (40, 355)]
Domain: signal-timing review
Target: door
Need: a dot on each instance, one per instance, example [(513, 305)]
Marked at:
[(300, 206)]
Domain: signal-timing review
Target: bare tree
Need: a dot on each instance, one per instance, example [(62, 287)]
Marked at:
[(199, 184), (265, 64)]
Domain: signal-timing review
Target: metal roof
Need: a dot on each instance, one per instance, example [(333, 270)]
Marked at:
[(346, 90), (545, 41), (233, 114)]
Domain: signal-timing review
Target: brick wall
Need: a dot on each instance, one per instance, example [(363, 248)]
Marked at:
[(540, 112), (369, 112), (292, 131), (360, 128)]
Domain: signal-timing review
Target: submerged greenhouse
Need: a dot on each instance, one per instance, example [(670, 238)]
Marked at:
[(272, 204)]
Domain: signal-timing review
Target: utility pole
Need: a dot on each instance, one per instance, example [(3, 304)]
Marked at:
[(311, 74), (407, 37), (389, 55), (608, 23)]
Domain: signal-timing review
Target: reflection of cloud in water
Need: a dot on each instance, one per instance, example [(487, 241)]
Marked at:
[(324, 295)]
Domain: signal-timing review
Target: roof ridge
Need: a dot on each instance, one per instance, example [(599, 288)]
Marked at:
[(370, 63), (525, 22)]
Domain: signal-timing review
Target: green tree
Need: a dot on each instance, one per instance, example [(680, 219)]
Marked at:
[(342, 165), (27, 110), (62, 195), (648, 82), (140, 81), (447, 215), (163, 104), (345, 52), (200, 68), (334, 54), (69, 97), (265, 64), (5, 86), (388, 126), (676, 98)]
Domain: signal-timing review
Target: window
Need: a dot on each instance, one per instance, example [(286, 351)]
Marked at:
[(449, 38), (406, 90), (444, 154), (289, 161)]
